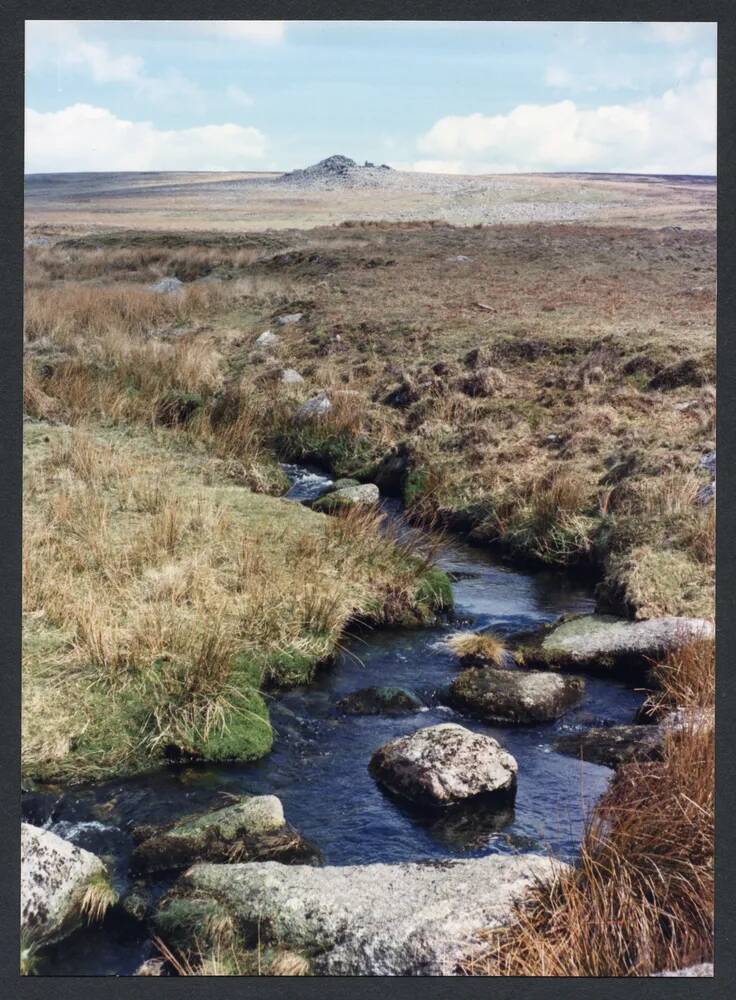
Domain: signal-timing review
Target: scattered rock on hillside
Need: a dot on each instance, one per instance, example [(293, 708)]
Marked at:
[(288, 319), (291, 376), (380, 701), (54, 876), (252, 829), (612, 746), (605, 643), (356, 920), (444, 764), (167, 286), (514, 696), (267, 339), (317, 406)]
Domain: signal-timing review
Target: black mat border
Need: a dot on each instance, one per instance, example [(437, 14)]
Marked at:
[(13, 14)]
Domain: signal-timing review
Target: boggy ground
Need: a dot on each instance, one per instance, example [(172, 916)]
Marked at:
[(551, 395)]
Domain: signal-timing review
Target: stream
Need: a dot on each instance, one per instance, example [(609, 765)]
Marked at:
[(318, 766)]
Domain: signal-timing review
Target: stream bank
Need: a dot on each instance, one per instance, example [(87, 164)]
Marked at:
[(319, 764)]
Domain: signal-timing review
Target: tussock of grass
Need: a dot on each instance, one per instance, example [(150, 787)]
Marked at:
[(97, 899), (28, 956), (223, 956), (158, 598), (482, 646), (641, 897)]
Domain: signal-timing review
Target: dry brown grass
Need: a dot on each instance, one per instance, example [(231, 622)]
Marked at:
[(97, 899), (158, 596), (640, 899), (566, 457), (482, 646)]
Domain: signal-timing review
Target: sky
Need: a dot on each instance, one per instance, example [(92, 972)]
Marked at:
[(452, 97)]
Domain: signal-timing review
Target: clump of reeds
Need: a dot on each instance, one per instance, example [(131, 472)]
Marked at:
[(480, 647), (640, 899)]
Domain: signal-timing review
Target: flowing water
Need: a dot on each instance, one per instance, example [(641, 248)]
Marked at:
[(318, 767)]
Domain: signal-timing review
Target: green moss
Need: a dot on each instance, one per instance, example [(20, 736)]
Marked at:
[(288, 667), (183, 920), (246, 733), (330, 503), (342, 453), (414, 485)]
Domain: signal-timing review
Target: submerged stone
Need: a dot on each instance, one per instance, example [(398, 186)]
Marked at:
[(522, 696), (612, 746), (374, 920), (443, 765), (253, 829), (380, 701)]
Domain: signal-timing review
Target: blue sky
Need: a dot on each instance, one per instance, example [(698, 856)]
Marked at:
[(461, 97)]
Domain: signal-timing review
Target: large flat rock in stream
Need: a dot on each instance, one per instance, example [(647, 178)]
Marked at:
[(604, 642), (374, 920), (54, 876)]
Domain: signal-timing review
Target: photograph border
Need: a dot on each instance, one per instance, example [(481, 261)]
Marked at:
[(11, 253)]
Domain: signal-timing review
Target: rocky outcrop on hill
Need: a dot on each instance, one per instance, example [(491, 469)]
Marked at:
[(335, 171)]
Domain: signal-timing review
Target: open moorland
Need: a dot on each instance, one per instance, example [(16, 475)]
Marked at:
[(524, 362)]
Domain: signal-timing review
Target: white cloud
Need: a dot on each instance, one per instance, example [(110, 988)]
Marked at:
[(265, 32), (673, 32), (83, 137), (238, 96), (673, 133), (63, 44)]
